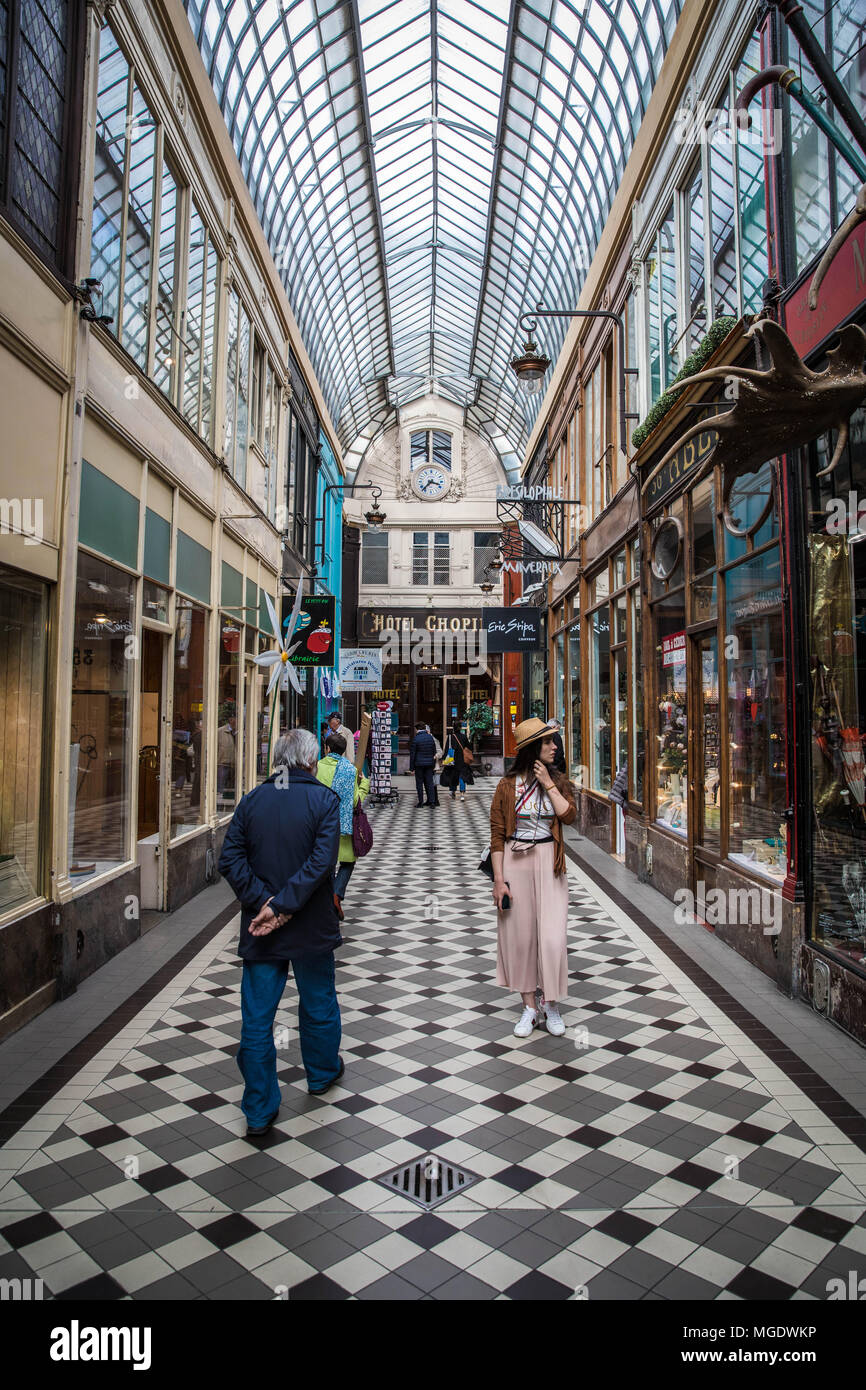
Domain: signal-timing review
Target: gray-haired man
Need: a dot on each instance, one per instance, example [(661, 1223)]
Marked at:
[(279, 855)]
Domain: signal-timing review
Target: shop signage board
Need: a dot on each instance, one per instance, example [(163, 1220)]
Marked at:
[(684, 462), (375, 622), (512, 630), (361, 668), (314, 629), (841, 294), (674, 649)]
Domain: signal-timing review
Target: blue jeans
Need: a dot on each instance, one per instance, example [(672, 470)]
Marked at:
[(462, 787), (342, 876), (318, 1027)]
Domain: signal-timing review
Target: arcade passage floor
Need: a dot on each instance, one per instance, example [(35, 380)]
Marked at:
[(655, 1151)]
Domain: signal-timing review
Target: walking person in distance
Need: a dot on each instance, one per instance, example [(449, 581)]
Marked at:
[(335, 771), (459, 772), (422, 756), (530, 885), (335, 725), (278, 857)]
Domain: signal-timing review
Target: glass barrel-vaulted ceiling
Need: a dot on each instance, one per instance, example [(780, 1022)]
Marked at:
[(426, 171)]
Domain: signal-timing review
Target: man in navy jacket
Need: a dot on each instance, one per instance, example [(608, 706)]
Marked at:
[(278, 856), (422, 756)]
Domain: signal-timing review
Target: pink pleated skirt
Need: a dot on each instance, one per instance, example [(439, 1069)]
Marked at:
[(532, 950)]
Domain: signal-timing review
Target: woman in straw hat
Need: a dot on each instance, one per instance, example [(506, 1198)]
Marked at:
[(530, 806)]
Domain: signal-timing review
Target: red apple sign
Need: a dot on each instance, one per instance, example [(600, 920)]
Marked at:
[(320, 640)]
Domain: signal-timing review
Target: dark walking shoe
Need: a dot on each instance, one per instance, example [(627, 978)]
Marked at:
[(333, 1081), (259, 1130)]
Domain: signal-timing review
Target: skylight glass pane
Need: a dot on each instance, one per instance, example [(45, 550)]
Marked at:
[(423, 253)]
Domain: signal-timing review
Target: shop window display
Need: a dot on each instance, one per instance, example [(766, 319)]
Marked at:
[(229, 747), (576, 769), (601, 713), (23, 635), (756, 711), (188, 738), (537, 702), (672, 732), (102, 676), (837, 640), (558, 672), (637, 706)]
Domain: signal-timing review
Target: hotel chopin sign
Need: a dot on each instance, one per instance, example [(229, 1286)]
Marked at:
[(376, 622)]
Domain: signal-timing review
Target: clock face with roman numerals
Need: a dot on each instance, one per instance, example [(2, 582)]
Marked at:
[(430, 483)]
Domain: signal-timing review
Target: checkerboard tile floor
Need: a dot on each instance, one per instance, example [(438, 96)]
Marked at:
[(650, 1153)]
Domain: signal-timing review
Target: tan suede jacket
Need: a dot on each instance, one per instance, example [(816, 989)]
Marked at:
[(503, 817)]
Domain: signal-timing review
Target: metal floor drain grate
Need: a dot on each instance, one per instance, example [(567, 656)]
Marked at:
[(428, 1181)]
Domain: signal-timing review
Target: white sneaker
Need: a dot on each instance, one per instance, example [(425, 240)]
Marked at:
[(554, 1021), (462, 796), (528, 1021)]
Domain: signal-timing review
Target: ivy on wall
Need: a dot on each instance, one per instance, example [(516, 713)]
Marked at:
[(717, 333)]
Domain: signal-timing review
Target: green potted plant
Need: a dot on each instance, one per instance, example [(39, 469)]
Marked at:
[(479, 721)]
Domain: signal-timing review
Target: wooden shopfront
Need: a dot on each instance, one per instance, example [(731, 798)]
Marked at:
[(715, 652)]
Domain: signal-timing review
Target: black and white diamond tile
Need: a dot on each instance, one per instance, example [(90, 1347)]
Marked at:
[(652, 1152)]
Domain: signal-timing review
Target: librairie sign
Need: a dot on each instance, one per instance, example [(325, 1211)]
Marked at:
[(314, 630), (512, 630)]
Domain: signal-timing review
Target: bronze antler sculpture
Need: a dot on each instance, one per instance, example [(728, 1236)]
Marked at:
[(782, 408)]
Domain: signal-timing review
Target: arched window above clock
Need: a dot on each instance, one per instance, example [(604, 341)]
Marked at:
[(430, 446)]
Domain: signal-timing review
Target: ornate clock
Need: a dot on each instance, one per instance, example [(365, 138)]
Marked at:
[(430, 482)]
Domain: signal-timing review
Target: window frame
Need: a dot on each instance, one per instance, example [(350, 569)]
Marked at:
[(63, 263), (371, 543)]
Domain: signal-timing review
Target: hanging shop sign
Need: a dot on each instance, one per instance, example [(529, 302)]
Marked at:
[(361, 668), (314, 629), (375, 622), (674, 649), (540, 567), (512, 631), (842, 293), (519, 492), (687, 458)]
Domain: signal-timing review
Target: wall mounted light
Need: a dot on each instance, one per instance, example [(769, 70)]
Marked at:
[(375, 517)]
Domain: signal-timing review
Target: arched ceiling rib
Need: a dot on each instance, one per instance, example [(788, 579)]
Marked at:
[(427, 170)]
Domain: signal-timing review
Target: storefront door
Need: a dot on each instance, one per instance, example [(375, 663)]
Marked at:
[(153, 780), (620, 734), (705, 751), (456, 700), (429, 699)]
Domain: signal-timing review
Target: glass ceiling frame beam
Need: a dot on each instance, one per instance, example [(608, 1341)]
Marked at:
[(371, 164), (494, 187)]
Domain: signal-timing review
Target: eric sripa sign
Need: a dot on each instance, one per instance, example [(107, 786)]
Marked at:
[(512, 630)]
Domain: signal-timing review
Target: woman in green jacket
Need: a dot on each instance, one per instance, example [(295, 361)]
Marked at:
[(337, 772)]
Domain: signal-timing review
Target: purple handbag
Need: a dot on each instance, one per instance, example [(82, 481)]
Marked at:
[(362, 832)]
